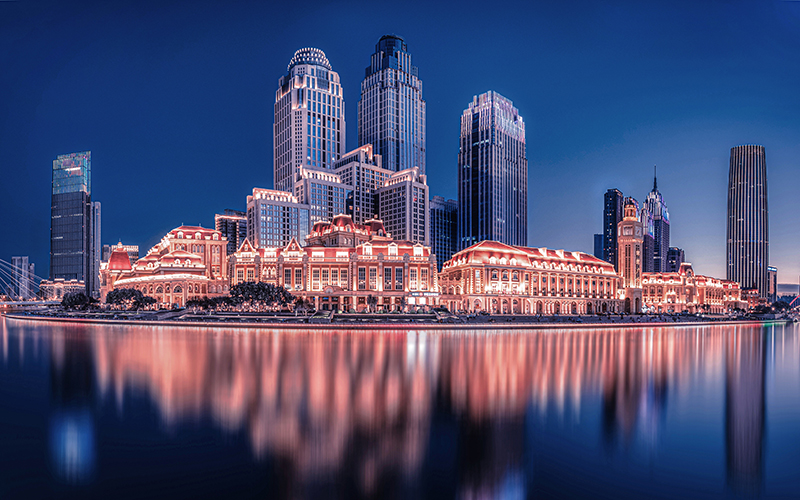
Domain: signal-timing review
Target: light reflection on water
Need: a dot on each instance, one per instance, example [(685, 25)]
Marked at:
[(497, 412)]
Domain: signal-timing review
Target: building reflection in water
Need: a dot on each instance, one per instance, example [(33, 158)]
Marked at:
[(333, 404)]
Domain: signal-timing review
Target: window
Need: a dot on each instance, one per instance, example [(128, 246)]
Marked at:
[(387, 277), (298, 279), (373, 275), (287, 278), (362, 278), (398, 278), (413, 278), (343, 279), (424, 278), (315, 279)]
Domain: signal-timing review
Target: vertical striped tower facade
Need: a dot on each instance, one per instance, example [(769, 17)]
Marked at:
[(748, 218), (492, 173)]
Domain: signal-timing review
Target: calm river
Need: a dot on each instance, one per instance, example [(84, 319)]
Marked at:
[(154, 412)]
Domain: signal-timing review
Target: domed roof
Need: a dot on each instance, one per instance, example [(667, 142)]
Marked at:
[(119, 260), (309, 55)]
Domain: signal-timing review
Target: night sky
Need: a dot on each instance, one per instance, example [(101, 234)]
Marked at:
[(175, 102)]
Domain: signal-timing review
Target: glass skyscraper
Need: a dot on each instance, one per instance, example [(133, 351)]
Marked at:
[(660, 217), (492, 173), (748, 219), (309, 126), (71, 218), (391, 112), (444, 232), (612, 216)]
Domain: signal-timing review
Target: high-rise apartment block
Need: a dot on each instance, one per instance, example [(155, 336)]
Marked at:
[(748, 219), (492, 173), (323, 191), (612, 216), (233, 226), (675, 257), (391, 112), (443, 228), (403, 206), (660, 220), (22, 278), (275, 217), (309, 127), (71, 218), (363, 172)]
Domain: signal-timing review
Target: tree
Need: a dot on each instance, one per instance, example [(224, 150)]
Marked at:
[(303, 305), (75, 300), (781, 305), (129, 298), (260, 294), (372, 301)]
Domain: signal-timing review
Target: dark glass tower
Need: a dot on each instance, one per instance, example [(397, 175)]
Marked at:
[(391, 112), (71, 218), (748, 219), (612, 216), (492, 173), (660, 215), (444, 232)]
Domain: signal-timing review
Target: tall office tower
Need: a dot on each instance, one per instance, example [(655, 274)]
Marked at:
[(95, 254), (748, 218), (658, 210), (403, 206), (630, 236), (649, 242), (492, 173), (363, 171), (324, 192), (444, 228), (233, 225), (275, 217), (612, 216), (71, 217), (309, 124), (391, 112), (675, 257), (772, 286), (22, 278), (598, 246)]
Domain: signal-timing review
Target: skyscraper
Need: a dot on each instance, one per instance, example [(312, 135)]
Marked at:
[(95, 253), (444, 229), (233, 226), (648, 243), (309, 126), (658, 211), (22, 278), (612, 216), (71, 217), (675, 257), (598, 246), (403, 206), (492, 173), (391, 112), (748, 219)]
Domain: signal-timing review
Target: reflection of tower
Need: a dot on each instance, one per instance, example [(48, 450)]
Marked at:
[(744, 408)]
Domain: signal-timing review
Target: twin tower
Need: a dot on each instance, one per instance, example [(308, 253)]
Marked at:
[(309, 141)]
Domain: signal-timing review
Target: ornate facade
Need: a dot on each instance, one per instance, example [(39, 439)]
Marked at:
[(188, 263), (503, 279), (685, 291), (344, 264)]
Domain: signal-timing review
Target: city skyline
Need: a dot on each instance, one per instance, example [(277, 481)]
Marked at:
[(674, 105)]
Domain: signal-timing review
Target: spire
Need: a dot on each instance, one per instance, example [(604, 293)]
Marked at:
[(655, 179)]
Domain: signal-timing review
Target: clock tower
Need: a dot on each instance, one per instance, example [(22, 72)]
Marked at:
[(630, 239)]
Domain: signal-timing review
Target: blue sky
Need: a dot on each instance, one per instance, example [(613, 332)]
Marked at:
[(174, 99)]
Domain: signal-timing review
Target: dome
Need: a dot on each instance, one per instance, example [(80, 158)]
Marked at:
[(309, 55), (119, 260)]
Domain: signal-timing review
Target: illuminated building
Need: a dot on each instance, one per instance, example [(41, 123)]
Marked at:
[(675, 257), (598, 246), (132, 250), (629, 254), (57, 288), (362, 171), (443, 228), (660, 215), (309, 125), (342, 264), (233, 226), (94, 252), (685, 291), (274, 218), (772, 287), (22, 277), (189, 262), (403, 206), (324, 193), (612, 216), (492, 173), (71, 218), (504, 279), (648, 240), (748, 218), (391, 112)]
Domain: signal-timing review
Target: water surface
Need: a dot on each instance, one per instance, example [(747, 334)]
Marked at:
[(90, 411)]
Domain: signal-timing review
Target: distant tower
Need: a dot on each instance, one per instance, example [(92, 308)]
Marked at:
[(309, 122), (658, 211), (675, 257), (444, 223), (630, 239), (95, 252), (612, 216), (492, 173), (71, 218), (748, 219), (391, 112)]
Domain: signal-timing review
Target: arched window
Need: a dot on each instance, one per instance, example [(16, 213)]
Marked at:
[(180, 234), (505, 275), (197, 235), (159, 289), (178, 289), (494, 273), (216, 236)]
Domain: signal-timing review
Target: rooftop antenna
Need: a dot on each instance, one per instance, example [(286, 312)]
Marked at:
[(655, 179)]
